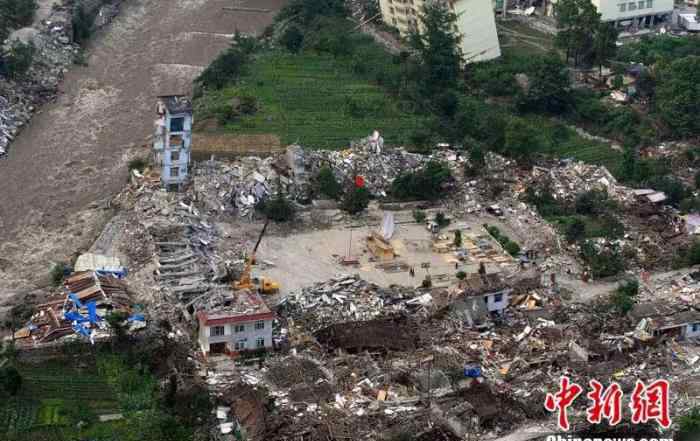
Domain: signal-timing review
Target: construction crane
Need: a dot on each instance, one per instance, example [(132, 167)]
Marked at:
[(246, 282)]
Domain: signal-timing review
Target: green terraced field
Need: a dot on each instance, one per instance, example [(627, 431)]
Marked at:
[(312, 99)]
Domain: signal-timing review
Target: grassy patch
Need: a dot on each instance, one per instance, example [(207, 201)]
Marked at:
[(564, 142), (50, 394), (310, 98), (518, 38)]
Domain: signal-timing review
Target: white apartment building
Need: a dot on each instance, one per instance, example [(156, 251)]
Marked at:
[(636, 13), (245, 323), (476, 24)]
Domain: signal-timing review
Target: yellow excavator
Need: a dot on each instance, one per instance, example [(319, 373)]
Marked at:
[(264, 285)]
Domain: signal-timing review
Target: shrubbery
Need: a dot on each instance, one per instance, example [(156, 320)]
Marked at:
[(604, 262), (508, 245), (327, 184), (419, 216), (17, 60), (15, 14), (689, 425), (426, 183), (278, 209), (622, 299), (356, 200), (228, 67), (82, 23)]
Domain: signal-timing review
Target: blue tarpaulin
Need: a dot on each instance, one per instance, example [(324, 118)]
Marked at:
[(137, 318), (81, 330), (472, 371), (73, 316), (118, 273), (92, 312), (75, 300)]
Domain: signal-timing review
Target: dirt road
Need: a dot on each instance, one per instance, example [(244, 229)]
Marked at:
[(63, 169)]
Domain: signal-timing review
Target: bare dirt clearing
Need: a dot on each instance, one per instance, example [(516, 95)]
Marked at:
[(62, 170)]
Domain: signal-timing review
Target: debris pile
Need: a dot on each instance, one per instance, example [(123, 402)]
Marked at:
[(573, 177), (347, 299), (379, 166), (89, 298), (240, 186)]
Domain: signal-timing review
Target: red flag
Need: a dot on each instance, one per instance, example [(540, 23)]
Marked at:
[(359, 181)]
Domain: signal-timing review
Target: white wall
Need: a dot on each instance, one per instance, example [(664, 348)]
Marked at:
[(493, 306), (184, 160), (689, 333), (610, 9), (477, 24), (231, 337)]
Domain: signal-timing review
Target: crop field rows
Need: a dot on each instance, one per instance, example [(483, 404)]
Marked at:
[(308, 99)]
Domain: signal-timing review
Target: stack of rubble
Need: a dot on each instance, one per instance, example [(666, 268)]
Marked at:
[(379, 166), (346, 299), (240, 186), (570, 178)]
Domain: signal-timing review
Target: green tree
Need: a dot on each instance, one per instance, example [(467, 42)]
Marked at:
[(419, 216), (629, 288), (621, 303), (441, 219), (512, 248), (457, 242), (593, 202), (461, 275), (622, 299), (604, 47), (426, 183), (116, 321), (438, 49), (575, 20), (604, 262), (689, 426), (328, 184), (522, 140), (356, 200), (10, 379), (228, 67), (673, 188), (18, 316), (18, 13), (18, 60), (82, 23), (307, 12), (677, 95), (477, 162), (278, 209), (293, 39), (548, 86), (575, 230)]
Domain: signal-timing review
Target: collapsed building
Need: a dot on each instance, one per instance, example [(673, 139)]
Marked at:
[(81, 311)]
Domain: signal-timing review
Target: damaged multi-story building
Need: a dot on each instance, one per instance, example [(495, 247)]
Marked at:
[(476, 24), (173, 140), (242, 322)]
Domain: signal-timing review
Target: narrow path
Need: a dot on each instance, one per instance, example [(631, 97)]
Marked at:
[(72, 158)]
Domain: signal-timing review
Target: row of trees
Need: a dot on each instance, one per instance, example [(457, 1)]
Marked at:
[(582, 33)]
